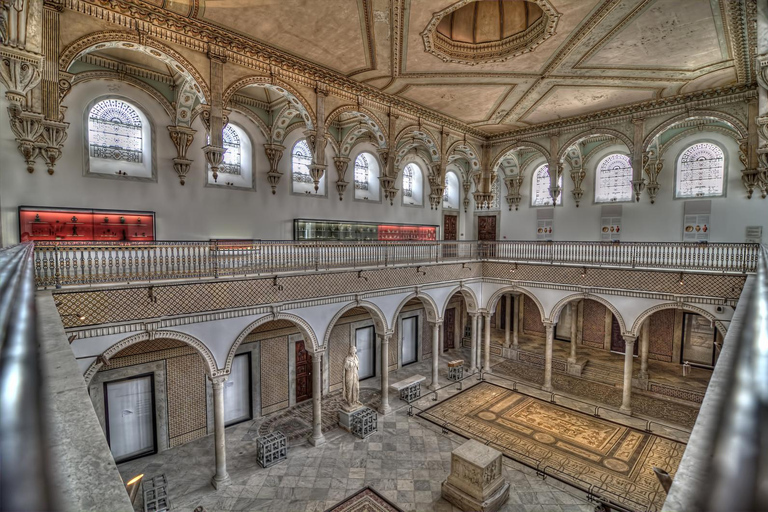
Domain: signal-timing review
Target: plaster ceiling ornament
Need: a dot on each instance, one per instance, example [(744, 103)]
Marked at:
[(483, 31)]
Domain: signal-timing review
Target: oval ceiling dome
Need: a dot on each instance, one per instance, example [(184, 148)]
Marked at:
[(485, 21)]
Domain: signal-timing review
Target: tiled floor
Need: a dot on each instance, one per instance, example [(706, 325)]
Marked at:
[(406, 461)]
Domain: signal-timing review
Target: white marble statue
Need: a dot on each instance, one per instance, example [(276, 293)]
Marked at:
[(351, 381)]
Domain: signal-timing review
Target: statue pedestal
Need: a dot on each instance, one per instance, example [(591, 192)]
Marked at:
[(476, 481), (345, 418)]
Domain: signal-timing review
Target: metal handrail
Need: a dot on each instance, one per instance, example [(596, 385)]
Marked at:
[(26, 482), (86, 263), (738, 476)]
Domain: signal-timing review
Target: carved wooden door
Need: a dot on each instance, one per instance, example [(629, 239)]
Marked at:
[(450, 227), (303, 372), (449, 329), (486, 227), (617, 340)]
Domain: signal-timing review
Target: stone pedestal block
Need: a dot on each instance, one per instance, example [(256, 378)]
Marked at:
[(345, 418), (476, 482)]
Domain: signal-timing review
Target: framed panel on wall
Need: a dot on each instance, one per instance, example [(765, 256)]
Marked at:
[(696, 221), (610, 223), (40, 223)]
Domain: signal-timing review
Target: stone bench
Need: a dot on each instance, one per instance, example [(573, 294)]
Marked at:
[(410, 388)]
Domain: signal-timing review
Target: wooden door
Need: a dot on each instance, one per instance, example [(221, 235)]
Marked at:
[(449, 329), (303, 373), (617, 340), (450, 227), (486, 227)]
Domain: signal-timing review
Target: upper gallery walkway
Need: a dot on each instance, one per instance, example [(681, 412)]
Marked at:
[(70, 264)]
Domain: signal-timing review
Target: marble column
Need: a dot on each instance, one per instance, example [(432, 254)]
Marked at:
[(507, 319), (221, 478), (479, 344), (626, 395), (645, 343), (317, 395), (550, 331), (574, 332), (384, 408), (473, 342), (435, 354), (487, 347), (516, 316)]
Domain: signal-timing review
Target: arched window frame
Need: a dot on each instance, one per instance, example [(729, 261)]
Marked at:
[(235, 173), (122, 169), (449, 191), (362, 169), (301, 179), (606, 183), (366, 178), (678, 170), (413, 181), (540, 182)]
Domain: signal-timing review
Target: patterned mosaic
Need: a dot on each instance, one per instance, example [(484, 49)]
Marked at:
[(147, 352), (393, 346), (186, 399), (712, 285), (123, 304), (661, 335), (593, 330), (365, 500), (531, 317), (584, 449), (426, 338), (274, 368), (339, 347)]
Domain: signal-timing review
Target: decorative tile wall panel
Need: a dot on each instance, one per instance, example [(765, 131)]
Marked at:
[(661, 335), (593, 334), (274, 369), (186, 399), (532, 317)]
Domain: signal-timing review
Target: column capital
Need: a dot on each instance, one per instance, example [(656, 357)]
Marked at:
[(548, 324), (435, 323), (629, 339), (218, 380), (386, 335)]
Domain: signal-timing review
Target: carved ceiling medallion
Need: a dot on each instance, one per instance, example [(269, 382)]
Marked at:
[(482, 31)]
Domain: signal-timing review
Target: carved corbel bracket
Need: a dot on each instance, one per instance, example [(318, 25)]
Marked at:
[(555, 190), (341, 163), (467, 186), (513, 184), (53, 136), (214, 155), (28, 127), (752, 177), (388, 186), (182, 138), (20, 72), (274, 154), (638, 186), (317, 171), (577, 176)]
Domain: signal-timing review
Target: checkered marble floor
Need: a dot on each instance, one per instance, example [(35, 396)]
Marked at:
[(406, 461)]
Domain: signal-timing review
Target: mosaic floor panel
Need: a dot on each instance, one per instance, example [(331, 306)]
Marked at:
[(365, 500), (575, 446)]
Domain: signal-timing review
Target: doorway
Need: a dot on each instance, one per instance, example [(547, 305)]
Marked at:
[(303, 372), (563, 326), (449, 330), (130, 417), (237, 391), (698, 347), (409, 340), (450, 232), (366, 352), (486, 227)]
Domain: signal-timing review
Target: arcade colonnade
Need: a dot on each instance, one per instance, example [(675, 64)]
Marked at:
[(217, 341)]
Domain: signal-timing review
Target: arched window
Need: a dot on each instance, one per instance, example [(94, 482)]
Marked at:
[(540, 195), (701, 171), (451, 192), (361, 172), (301, 159), (412, 185), (613, 179), (231, 163), (115, 132)]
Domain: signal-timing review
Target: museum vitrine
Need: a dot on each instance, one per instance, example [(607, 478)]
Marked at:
[(85, 225), (307, 229)]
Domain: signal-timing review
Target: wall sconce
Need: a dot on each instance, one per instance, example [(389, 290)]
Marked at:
[(465, 266), (681, 279), (71, 338), (584, 272), (132, 487), (79, 316), (360, 275), (514, 268), (422, 272), (274, 283)]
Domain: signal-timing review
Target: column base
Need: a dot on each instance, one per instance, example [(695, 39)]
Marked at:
[(488, 371), (572, 360), (220, 482), (317, 441), (385, 410), (433, 387), (548, 389), (626, 410)]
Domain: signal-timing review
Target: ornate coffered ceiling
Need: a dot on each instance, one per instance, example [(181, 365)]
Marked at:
[(589, 56)]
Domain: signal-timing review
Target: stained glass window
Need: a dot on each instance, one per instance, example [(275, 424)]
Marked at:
[(231, 163), (613, 180), (408, 180), (700, 171), (361, 172), (114, 131), (540, 195), (301, 160)]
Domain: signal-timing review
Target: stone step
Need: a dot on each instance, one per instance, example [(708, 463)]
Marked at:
[(604, 374)]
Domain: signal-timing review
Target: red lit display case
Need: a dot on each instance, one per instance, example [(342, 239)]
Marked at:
[(84, 225), (307, 229)]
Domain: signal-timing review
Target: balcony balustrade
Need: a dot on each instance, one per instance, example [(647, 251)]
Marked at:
[(66, 264)]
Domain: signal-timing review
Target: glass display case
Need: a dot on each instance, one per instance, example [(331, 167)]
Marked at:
[(307, 229), (84, 225)]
